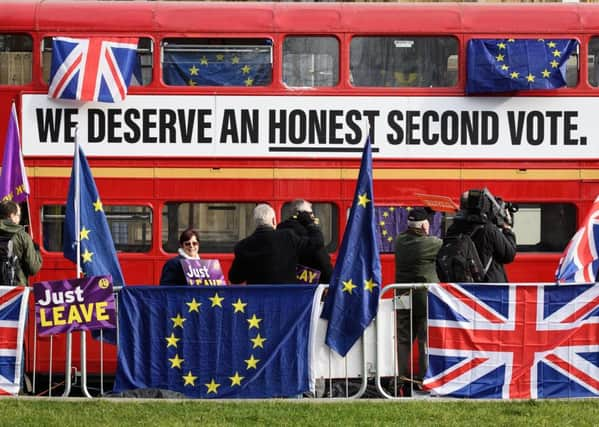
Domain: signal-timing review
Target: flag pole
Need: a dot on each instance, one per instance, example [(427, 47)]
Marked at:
[(77, 201)]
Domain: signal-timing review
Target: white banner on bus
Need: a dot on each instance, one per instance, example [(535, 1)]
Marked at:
[(315, 126)]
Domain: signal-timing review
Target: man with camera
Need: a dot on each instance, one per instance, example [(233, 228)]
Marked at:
[(317, 259), (488, 222)]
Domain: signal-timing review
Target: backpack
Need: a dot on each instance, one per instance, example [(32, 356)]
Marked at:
[(458, 260), (8, 262)]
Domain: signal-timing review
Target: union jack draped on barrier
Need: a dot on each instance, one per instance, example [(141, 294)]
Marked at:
[(516, 341), (13, 311)]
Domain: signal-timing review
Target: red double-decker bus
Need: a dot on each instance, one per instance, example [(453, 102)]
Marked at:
[(235, 104)]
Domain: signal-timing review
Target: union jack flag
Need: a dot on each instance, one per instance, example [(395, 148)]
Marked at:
[(13, 312), (580, 262), (92, 69), (513, 341)]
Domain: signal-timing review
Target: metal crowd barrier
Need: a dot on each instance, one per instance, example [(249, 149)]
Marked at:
[(360, 373)]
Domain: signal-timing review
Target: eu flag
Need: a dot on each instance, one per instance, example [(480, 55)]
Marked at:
[(250, 67), (505, 65), (238, 341), (98, 255), (353, 297)]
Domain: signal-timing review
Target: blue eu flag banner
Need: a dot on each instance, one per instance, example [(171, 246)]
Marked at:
[(250, 68), (243, 342), (353, 297), (98, 255), (505, 65)]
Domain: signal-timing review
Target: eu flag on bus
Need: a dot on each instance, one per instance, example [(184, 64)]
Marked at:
[(215, 342), (98, 255), (505, 65), (92, 69), (13, 179), (353, 297), (246, 67), (580, 261)]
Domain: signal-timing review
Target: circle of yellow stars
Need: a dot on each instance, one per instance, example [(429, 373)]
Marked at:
[(245, 70), (194, 306), (530, 78)]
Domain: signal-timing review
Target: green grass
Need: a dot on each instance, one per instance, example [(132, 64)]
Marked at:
[(40, 412)]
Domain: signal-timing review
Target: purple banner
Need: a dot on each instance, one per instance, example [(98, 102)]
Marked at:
[(307, 275), (13, 180), (77, 304), (203, 272)]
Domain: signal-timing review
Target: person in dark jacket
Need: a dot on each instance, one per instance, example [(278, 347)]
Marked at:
[(270, 256), (189, 246), (318, 260), (415, 255), (495, 244), (27, 252)]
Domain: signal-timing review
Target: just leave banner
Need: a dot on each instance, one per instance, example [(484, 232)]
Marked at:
[(315, 126), (79, 304)]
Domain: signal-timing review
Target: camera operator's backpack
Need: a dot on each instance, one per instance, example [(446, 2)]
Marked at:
[(458, 260), (8, 262)]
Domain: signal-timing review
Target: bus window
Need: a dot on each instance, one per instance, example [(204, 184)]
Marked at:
[(572, 68), (15, 59), (142, 74), (328, 220), (593, 61), (221, 225), (392, 220), (310, 61), (403, 61), (217, 62), (544, 227), (130, 226)]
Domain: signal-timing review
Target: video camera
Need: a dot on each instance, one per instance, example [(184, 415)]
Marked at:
[(495, 209)]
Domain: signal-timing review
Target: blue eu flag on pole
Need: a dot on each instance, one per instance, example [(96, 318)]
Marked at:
[(505, 65), (97, 252), (215, 342), (353, 297)]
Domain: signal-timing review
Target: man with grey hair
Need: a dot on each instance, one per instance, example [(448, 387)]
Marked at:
[(315, 259), (270, 256)]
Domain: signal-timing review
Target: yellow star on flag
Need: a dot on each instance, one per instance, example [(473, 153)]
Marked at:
[(87, 256), (212, 387), (191, 83), (386, 214), (98, 205), (239, 306), (236, 379), (258, 341), (551, 44), (203, 60), (501, 45), (504, 67), (249, 81), (499, 57), (189, 379), (246, 69), (514, 75), (194, 305), (84, 233), (220, 57), (530, 77), (178, 321), (251, 362), (172, 340), (556, 53), (546, 73), (216, 300), (369, 285), (235, 60), (363, 200), (554, 64), (176, 361), (348, 286), (254, 322), (193, 71)]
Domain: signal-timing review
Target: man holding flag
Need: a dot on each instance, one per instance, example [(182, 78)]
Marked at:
[(353, 297)]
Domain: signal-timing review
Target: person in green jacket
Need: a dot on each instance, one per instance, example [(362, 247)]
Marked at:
[(28, 254), (415, 255)]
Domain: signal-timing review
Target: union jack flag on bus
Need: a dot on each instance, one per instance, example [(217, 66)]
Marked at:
[(580, 262), (13, 312), (513, 341), (92, 69)]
